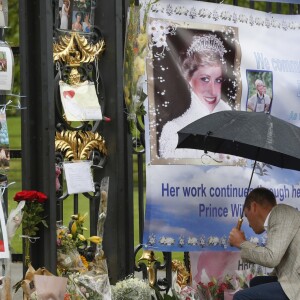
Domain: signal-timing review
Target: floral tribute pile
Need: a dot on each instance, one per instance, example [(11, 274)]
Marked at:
[(214, 289), (82, 259), (86, 270), (81, 265)]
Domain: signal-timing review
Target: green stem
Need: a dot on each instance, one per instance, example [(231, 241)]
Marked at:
[(27, 252)]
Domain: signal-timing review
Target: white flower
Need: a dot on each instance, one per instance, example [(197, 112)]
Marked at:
[(162, 240), (157, 28), (192, 241), (181, 241), (213, 240), (152, 239), (160, 41), (170, 241), (131, 288)]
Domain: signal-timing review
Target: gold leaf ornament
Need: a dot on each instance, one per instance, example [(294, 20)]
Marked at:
[(75, 49), (77, 145)]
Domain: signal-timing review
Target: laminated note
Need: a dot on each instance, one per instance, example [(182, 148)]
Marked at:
[(80, 102), (6, 68)]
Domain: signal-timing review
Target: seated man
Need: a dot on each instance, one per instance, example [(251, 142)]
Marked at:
[(281, 252)]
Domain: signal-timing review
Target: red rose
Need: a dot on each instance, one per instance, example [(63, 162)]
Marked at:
[(223, 287), (41, 197), (30, 196), (210, 284), (26, 196)]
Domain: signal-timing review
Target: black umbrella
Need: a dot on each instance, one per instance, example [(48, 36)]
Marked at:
[(257, 136)]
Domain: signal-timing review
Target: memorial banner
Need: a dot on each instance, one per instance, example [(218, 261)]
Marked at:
[(280, 1), (205, 58)]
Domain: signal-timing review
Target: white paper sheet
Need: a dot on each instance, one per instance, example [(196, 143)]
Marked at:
[(79, 177)]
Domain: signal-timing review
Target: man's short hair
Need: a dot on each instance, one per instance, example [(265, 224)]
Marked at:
[(258, 82), (262, 196)]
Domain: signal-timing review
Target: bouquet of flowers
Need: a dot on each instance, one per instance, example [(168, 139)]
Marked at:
[(32, 216), (72, 245), (241, 278), (134, 59), (213, 290), (92, 282), (131, 288)]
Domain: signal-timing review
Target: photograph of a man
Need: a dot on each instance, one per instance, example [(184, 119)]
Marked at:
[(260, 101)]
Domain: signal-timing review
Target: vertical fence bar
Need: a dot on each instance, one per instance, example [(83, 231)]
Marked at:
[(140, 162), (38, 129), (110, 17)]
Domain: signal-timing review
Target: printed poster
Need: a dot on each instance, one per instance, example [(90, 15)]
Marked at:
[(4, 142), (3, 13), (4, 249), (204, 58), (6, 68)]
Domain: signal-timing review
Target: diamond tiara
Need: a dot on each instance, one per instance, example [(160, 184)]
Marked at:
[(207, 42)]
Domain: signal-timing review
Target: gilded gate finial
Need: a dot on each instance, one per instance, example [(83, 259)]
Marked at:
[(75, 49), (78, 145)]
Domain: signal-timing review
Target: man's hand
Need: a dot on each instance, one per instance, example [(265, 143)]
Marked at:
[(236, 237)]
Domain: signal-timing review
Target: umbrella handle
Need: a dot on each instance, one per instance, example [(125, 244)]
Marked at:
[(239, 223)]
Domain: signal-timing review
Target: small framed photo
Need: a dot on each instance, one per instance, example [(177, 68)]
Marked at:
[(3, 13), (76, 15), (6, 68)]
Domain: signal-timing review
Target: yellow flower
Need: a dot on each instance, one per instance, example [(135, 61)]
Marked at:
[(81, 218), (142, 40), (81, 237), (139, 65), (84, 261), (126, 92), (60, 233), (74, 228), (127, 95), (95, 239), (138, 68)]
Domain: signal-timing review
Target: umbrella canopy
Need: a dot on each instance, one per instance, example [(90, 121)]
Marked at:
[(257, 136)]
